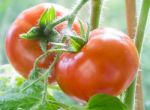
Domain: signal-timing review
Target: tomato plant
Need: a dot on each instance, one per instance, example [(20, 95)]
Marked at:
[(107, 64), (95, 66), (21, 52)]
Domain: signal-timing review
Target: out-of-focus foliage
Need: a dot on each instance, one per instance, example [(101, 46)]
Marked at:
[(113, 15)]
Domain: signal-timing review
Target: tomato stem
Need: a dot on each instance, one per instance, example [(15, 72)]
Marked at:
[(75, 12), (70, 18), (130, 93), (47, 73), (142, 24), (96, 7), (38, 60), (33, 74)]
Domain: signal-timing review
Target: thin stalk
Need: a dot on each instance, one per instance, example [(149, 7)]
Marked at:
[(78, 7), (75, 11), (130, 94), (69, 17), (37, 61), (47, 73), (131, 24), (96, 6), (50, 69), (139, 101), (43, 56), (58, 21), (131, 17), (142, 24)]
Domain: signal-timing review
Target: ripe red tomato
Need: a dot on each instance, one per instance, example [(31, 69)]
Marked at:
[(106, 64), (22, 53)]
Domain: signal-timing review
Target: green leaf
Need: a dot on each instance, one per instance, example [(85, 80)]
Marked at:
[(33, 34), (60, 97), (48, 17), (105, 102), (14, 98)]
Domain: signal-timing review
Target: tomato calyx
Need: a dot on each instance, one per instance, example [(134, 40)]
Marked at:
[(38, 32), (45, 31), (77, 42)]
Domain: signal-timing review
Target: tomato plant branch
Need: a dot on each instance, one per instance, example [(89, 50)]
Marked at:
[(70, 17), (36, 63), (96, 7), (75, 11), (130, 94), (47, 73), (142, 25), (33, 74), (45, 76)]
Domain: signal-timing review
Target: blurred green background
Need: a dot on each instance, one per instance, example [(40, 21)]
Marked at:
[(113, 15)]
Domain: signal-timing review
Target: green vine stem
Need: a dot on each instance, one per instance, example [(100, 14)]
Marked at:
[(70, 18), (47, 73), (96, 6), (130, 93), (142, 24), (33, 74), (37, 61)]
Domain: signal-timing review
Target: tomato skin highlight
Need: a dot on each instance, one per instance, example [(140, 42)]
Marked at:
[(106, 64), (22, 53)]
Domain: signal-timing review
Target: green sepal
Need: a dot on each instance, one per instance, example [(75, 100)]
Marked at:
[(87, 34), (47, 17), (76, 43), (82, 32), (33, 34), (43, 44)]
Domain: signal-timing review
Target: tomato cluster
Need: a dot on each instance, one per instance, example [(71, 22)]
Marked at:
[(107, 63)]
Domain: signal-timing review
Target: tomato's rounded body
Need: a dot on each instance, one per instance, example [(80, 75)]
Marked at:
[(107, 64), (22, 53)]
